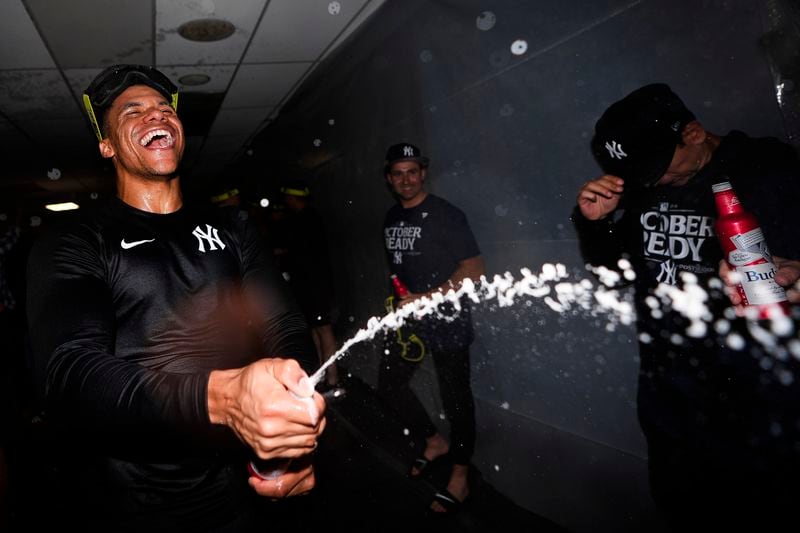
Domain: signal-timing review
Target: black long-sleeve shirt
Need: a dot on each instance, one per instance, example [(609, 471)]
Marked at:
[(129, 312)]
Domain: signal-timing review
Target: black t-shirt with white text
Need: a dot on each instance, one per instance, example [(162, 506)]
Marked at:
[(697, 387), (425, 245)]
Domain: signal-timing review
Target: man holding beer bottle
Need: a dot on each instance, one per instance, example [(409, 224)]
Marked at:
[(431, 249), (720, 422)]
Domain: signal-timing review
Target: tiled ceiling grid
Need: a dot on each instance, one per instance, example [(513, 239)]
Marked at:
[(51, 49)]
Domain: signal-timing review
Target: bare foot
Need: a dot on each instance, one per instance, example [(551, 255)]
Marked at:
[(457, 486), (435, 446)]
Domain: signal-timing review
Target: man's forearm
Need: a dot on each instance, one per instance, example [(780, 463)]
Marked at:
[(472, 268), (221, 395)]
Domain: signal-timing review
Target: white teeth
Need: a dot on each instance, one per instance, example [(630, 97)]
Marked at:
[(149, 136)]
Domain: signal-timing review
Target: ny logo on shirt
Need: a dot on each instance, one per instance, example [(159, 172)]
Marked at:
[(668, 273), (211, 237)]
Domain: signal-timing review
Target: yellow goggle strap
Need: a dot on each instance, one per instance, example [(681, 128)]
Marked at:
[(87, 103), (295, 192), (224, 196)]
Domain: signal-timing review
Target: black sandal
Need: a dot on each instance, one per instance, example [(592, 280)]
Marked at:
[(422, 464), (446, 499)]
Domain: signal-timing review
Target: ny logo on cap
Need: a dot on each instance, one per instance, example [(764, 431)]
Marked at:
[(408, 151), (615, 150)]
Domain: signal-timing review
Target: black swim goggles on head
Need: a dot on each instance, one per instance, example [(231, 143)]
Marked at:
[(113, 80)]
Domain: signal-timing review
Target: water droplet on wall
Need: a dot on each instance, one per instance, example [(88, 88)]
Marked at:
[(486, 21), (519, 47)]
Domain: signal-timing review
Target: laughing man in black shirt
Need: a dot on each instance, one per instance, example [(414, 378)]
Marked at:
[(165, 344)]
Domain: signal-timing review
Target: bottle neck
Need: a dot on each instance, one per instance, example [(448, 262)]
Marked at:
[(399, 287), (727, 203)]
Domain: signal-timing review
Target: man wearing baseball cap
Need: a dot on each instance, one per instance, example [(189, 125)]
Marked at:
[(431, 249), (302, 253), (709, 412), (160, 390)]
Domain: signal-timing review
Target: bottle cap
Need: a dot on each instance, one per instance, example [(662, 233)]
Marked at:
[(721, 186)]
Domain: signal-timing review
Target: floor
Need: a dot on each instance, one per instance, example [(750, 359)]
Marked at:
[(363, 467)]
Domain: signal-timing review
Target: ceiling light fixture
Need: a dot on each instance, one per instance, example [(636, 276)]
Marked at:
[(194, 79), (66, 206), (206, 30)]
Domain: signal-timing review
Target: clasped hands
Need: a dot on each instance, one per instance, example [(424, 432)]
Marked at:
[(272, 407)]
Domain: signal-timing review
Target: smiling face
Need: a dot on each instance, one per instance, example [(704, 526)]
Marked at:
[(406, 179), (144, 135)]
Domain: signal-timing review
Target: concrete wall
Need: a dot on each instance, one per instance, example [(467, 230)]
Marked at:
[(508, 140)]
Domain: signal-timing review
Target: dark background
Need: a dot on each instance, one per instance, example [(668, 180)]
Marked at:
[(508, 138)]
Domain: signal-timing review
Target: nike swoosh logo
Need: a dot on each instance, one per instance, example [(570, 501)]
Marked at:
[(129, 245)]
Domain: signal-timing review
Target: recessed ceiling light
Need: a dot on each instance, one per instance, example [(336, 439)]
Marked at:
[(194, 79), (206, 30), (66, 206)]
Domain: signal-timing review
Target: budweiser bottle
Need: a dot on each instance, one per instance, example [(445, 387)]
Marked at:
[(746, 252), (400, 289)]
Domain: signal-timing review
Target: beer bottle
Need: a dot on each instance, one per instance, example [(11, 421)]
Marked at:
[(400, 289), (746, 252)]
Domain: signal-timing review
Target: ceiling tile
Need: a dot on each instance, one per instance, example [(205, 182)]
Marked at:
[(89, 34), (172, 49), (40, 94), (263, 85), (239, 121), (6, 128), (300, 30), (20, 44), (80, 78), (220, 77), (32, 94), (368, 10)]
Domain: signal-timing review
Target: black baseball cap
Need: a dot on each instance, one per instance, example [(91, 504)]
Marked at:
[(404, 152), (110, 83), (635, 138)]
